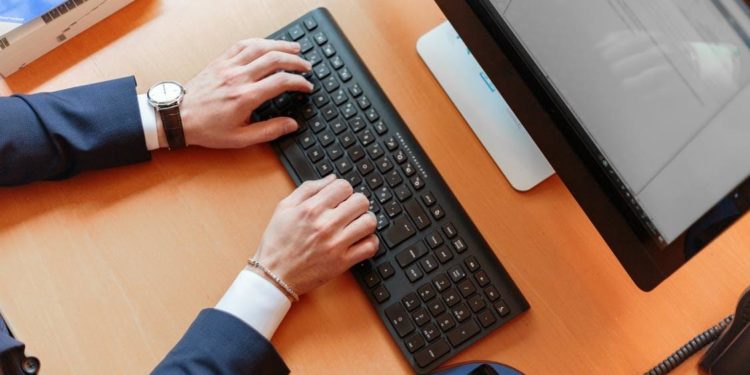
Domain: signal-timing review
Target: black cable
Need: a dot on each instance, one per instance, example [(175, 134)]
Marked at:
[(697, 343)]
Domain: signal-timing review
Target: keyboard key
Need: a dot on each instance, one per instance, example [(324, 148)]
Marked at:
[(324, 168), (436, 307), (338, 126), (384, 164), (355, 90), (491, 293), (336, 62), (411, 301), (383, 194), (380, 128), (430, 332), (471, 264), (306, 140), (348, 110), (421, 316), (330, 84), (400, 157), (433, 239), (326, 138), (428, 199), (426, 292), (482, 278), (356, 153), (402, 192), (316, 124), (437, 212), (328, 50), (320, 99), (393, 178), (366, 138), (411, 254), (382, 221), (431, 353), (381, 294), (441, 283), (400, 231), (414, 342), (463, 332), (417, 183), (374, 181), (451, 297), (461, 312), (391, 143), (339, 97), (449, 230), (315, 154), (344, 166), (381, 249), (502, 308), (417, 214), (320, 38), (400, 320), (362, 101), (392, 208), (296, 32), (429, 263), (282, 101), (357, 124), (371, 113), (444, 254), (329, 112), (314, 58), (375, 151), (305, 45), (445, 322), (321, 71), (310, 23), (476, 302), (486, 318), (466, 287), (345, 75), (456, 273), (371, 279), (459, 245), (347, 139), (353, 178), (408, 169), (365, 167)]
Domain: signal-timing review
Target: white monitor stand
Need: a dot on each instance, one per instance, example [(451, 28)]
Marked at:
[(483, 108)]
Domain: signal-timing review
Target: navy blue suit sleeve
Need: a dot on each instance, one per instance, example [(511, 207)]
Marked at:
[(56, 135), (219, 343)]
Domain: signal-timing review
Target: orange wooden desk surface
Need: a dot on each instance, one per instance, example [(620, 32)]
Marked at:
[(103, 273)]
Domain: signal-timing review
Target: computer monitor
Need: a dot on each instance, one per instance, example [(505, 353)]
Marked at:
[(641, 106)]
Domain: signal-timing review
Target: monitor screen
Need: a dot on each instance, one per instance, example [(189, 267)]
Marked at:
[(659, 87), (641, 106)]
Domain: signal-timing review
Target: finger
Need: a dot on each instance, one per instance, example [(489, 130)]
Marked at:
[(350, 209), (277, 84), (251, 49), (332, 195), (308, 189), (275, 61), (364, 249), (263, 131), (360, 228)]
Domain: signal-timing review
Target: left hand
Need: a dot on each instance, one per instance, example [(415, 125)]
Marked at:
[(217, 106), (4, 89)]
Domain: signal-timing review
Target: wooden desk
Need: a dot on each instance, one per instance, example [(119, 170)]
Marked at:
[(103, 273)]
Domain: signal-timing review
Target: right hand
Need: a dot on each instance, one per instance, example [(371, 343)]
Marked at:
[(317, 233)]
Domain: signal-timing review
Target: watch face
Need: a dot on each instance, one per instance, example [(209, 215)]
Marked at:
[(165, 93)]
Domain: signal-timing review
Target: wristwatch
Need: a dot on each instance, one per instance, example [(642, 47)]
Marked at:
[(166, 98)]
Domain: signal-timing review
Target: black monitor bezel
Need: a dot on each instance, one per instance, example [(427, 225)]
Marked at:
[(562, 140)]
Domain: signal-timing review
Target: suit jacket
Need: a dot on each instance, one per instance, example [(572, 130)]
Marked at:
[(56, 135)]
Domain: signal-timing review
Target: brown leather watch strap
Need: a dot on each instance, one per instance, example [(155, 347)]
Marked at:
[(172, 122)]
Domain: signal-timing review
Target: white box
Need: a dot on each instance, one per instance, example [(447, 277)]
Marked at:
[(25, 40)]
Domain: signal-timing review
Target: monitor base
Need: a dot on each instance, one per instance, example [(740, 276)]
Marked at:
[(483, 108)]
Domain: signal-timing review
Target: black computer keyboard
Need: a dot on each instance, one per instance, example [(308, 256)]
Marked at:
[(435, 282)]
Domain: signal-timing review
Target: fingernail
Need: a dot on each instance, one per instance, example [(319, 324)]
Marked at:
[(293, 125)]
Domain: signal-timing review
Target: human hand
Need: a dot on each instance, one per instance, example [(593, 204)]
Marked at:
[(317, 233), (4, 89), (218, 101)]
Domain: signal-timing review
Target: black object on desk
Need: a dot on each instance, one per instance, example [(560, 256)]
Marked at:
[(435, 282)]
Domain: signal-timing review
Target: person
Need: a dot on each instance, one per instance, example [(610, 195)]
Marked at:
[(316, 233)]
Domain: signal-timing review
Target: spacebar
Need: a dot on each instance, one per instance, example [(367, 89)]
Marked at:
[(297, 159)]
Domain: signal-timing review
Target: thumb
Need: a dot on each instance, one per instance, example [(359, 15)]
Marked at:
[(265, 131)]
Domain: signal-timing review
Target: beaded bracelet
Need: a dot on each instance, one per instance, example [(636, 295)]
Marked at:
[(254, 263)]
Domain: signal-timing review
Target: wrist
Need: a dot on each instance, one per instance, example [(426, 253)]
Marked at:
[(270, 281)]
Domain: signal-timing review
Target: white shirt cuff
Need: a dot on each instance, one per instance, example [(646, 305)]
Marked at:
[(148, 120), (257, 302)]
